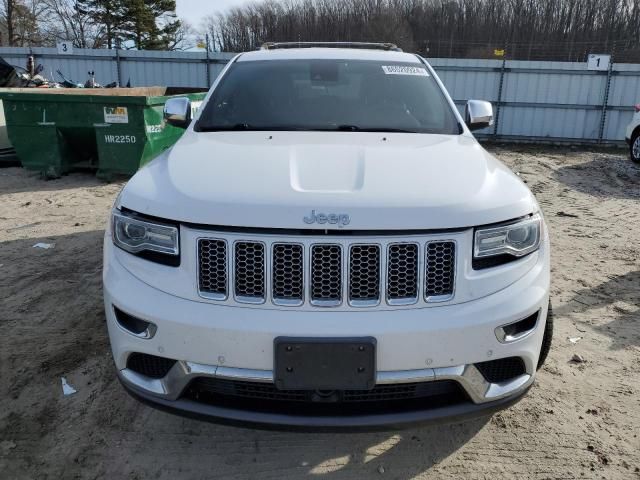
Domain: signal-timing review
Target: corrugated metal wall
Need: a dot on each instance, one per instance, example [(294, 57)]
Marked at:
[(141, 68), (547, 101), (538, 101)]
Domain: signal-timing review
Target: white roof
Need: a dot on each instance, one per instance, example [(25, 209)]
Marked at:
[(329, 54)]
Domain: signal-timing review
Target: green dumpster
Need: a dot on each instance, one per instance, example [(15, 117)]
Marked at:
[(113, 131), (7, 153)]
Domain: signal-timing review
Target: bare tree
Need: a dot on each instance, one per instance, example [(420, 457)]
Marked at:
[(20, 22), (8, 19), (562, 29), (67, 21)]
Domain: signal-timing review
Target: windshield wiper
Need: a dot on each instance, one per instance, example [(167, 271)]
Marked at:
[(386, 129), (264, 128), (356, 128), (221, 128), (249, 127)]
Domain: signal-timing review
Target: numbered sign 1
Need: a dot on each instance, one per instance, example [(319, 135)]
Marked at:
[(65, 48), (597, 61)]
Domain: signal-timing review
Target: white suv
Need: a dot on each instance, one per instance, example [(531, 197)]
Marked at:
[(633, 136), (327, 246)]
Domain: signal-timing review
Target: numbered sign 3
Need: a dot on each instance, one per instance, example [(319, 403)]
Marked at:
[(65, 47)]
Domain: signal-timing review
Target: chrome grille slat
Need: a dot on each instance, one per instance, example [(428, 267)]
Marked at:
[(353, 272), (402, 273), (212, 271), (249, 278), (439, 270), (364, 275), (287, 274), (326, 275)]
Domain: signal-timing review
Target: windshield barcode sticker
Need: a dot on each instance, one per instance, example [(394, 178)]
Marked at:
[(404, 70)]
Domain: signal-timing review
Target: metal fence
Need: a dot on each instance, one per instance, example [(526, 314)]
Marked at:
[(138, 68), (538, 101), (565, 51), (558, 102)]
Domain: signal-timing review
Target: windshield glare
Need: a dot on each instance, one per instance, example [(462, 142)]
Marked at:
[(328, 95)]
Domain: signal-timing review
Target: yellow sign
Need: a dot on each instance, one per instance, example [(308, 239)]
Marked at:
[(498, 53)]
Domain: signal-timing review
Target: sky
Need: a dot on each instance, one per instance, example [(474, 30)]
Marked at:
[(194, 11)]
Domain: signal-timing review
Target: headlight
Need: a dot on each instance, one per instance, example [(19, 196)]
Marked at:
[(512, 240), (147, 238)]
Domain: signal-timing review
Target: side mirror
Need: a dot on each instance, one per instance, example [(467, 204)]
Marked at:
[(177, 112), (478, 114)]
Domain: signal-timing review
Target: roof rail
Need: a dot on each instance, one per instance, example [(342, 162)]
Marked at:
[(364, 45)]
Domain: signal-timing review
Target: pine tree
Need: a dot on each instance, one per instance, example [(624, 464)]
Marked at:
[(151, 24), (109, 13)]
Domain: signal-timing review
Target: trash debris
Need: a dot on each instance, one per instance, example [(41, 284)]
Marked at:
[(565, 214), (575, 339), (91, 82), (46, 246), (7, 445), (577, 358), (380, 469), (66, 83), (66, 388)]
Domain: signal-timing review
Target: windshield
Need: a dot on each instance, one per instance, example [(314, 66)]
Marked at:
[(338, 95)]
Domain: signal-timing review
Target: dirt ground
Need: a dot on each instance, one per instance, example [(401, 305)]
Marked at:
[(580, 420)]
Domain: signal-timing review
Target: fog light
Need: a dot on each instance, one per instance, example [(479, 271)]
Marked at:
[(517, 330), (134, 325)]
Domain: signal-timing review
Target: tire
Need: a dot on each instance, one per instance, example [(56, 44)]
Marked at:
[(546, 339), (634, 149)]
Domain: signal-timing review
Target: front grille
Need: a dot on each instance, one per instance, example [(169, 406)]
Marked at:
[(149, 365), (502, 370), (295, 273), (326, 274), (266, 397)]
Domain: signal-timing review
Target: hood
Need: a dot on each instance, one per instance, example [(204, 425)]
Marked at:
[(390, 181)]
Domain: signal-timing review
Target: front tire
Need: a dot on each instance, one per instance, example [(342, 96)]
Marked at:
[(546, 339), (634, 150)]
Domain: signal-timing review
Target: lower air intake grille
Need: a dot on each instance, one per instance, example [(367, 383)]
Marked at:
[(326, 274), (266, 397), (149, 365), (440, 269), (496, 371)]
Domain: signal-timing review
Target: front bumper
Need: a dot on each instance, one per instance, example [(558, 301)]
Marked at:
[(391, 420), (414, 345)]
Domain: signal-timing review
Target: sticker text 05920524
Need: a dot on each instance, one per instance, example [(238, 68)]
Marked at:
[(404, 70), (119, 139)]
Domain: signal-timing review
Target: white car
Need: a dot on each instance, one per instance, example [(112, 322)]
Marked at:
[(327, 246), (632, 135)]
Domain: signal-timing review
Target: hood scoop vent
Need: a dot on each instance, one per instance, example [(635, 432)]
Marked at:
[(316, 169)]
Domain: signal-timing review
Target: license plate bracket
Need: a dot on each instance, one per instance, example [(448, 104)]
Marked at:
[(325, 363)]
